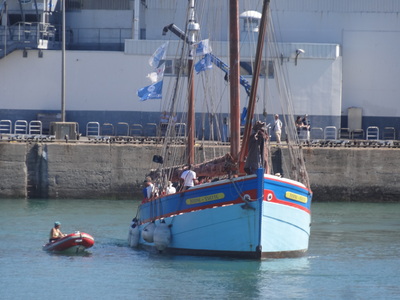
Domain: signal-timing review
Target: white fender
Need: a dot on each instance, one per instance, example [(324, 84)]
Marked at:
[(133, 238), (162, 236), (148, 232), (129, 236)]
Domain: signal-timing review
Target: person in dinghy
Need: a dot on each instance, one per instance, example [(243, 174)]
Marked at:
[(55, 233)]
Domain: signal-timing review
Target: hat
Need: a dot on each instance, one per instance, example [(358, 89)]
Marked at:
[(259, 126), (276, 115), (57, 224)]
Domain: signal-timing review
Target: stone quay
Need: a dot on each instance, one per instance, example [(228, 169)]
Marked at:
[(84, 170)]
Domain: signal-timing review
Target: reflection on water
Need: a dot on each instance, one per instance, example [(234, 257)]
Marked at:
[(69, 254), (300, 264), (353, 254), (37, 204)]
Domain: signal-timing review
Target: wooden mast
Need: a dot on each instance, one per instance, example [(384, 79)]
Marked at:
[(254, 83), (234, 73), (190, 121), (192, 30)]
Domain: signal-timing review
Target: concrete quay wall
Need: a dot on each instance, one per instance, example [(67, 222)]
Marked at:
[(115, 171), (354, 174)]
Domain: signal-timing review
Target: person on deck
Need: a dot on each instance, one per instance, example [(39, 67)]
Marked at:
[(299, 125), (149, 189), (189, 178), (55, 232), (277, 128), (258, 150), (306, 126)]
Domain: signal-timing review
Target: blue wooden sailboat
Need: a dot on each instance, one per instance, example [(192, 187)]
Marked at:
[(248, 215)]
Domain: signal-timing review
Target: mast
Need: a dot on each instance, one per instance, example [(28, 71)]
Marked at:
[(190, 120), (63, 64), (254, 83), (192, 30), (234, 62)]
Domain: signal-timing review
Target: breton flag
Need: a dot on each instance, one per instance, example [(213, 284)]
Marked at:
[(203, 47), (153, 91), (203, 64), (157, 61)]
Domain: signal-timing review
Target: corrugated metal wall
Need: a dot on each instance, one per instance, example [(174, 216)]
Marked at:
[(97, 4), (165, 4), (386, 6), (389, 6)]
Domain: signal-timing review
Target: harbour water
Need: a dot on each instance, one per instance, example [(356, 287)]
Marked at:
[(354, 253)]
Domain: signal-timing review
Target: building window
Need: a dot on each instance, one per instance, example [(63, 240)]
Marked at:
[(142, 33), (247, 67), (168, 67), (73, 5), (180, 67)]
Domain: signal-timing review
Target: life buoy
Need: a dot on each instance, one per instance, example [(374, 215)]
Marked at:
[(162, 236)]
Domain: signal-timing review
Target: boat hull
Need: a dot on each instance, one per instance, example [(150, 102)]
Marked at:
[(254, 216), (76, 242)]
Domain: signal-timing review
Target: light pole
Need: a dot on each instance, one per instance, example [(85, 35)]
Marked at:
[(63, 63)]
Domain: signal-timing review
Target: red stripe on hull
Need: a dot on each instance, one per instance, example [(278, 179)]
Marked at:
[(288, 203)]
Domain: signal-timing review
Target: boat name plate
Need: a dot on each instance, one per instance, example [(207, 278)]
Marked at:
[(296, 197), (203, 199)]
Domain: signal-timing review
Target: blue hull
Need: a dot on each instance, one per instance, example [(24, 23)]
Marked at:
[(253, 216)]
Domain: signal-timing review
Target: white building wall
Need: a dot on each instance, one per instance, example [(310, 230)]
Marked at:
[(94, 81), (371, 72), (109, 81)]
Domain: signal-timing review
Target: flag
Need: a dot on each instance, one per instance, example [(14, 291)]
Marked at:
[(203, 47), (243, 116), (153, 91), (203, 64), (157, 61), (157, 75), (158, 57), (153, 77)]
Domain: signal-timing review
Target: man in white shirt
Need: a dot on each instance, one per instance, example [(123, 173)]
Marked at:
[(149, 189), (188, 177), (277, 128)]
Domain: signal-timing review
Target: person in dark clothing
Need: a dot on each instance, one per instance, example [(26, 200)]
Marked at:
[(258, 151)]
